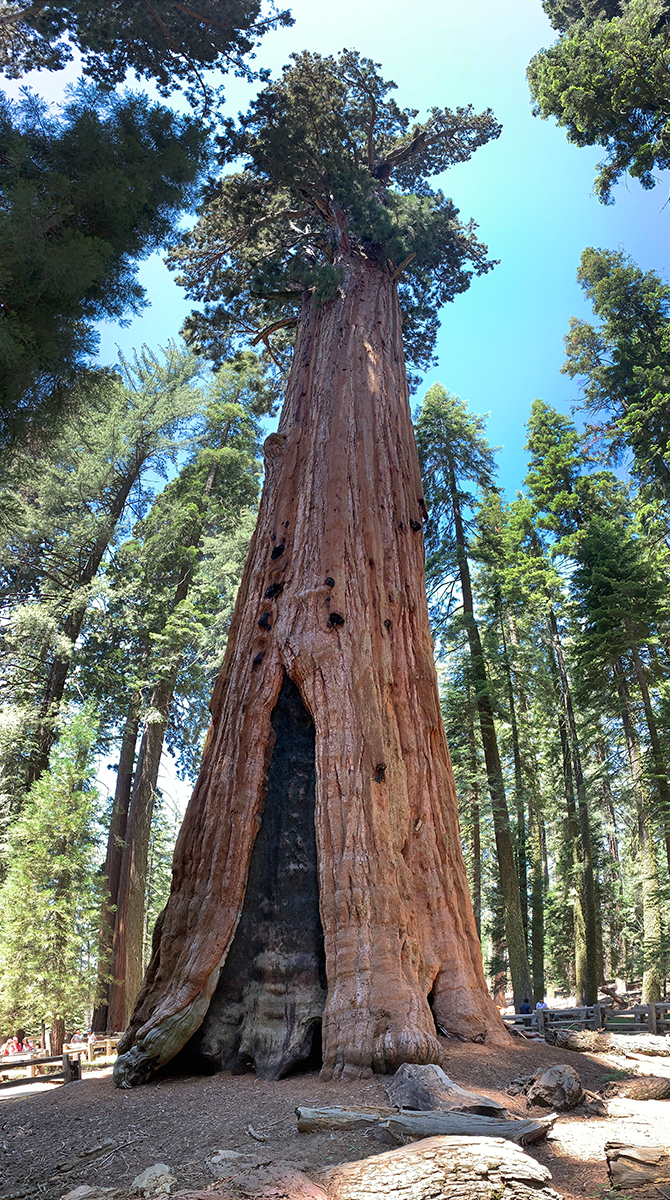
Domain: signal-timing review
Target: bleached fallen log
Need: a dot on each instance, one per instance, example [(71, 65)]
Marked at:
[(311, 1120), (426, 1088), (612, 1043), (453, 1168), (643, 1087), (408, 1124), (635, 1166)]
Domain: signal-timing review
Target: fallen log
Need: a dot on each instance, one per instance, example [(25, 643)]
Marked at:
[(612, 1043), (635, 1166), (452, 1168), (429, 1124), (408, 1124), (427, 1088), (643, 1087), (311, 1120)]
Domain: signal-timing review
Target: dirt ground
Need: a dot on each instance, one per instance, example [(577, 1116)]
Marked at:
[(91, 1133)]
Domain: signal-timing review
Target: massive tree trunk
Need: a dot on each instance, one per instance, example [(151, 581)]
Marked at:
[(333, 597)]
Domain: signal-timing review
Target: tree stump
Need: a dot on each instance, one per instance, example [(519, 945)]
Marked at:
[(427, 1087), (635, 1166)]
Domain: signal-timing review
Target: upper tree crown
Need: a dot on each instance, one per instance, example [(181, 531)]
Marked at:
[(331, 166)]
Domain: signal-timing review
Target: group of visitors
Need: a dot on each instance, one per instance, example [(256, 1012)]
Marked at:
[(19, 1044)]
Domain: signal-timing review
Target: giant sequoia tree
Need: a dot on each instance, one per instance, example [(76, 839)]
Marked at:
[(318, 877)]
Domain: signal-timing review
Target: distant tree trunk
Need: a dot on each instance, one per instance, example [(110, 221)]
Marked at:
[(653, 979), (660, 772), (330, 650), (538, 856), (57, 1036), (112, 868), (519, 783), (612, 943), (128, 938), (509, 882), (587, 976), (476, 885)]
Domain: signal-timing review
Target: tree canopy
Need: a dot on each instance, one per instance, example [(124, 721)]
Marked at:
[(623, 364), (331, 164), (606, 82), (85, 194), (171, 46)]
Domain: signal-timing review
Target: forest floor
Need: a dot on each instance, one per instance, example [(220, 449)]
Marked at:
[(90, 1133)]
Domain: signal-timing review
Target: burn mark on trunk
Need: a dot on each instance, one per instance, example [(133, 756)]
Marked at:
[(266, 1011), (335, 619), (273, 590), (277, 551)]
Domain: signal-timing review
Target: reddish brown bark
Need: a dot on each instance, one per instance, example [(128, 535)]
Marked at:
[(333, 596)]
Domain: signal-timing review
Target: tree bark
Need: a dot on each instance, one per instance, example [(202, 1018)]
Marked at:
[(475, 825), (453, 1168), (613, 1043), (653, 977), (57, 1036), (410, 1124), (519, 783), (635, 1166), (112, 868), (333, 596), (427, 1088), (509, 882)]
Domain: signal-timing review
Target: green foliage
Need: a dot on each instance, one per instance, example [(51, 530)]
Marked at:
[(606, 82), (49, 899), (331, 165), (85, 194), (171, 47), (449, 439), (68, 508), (623, 364)]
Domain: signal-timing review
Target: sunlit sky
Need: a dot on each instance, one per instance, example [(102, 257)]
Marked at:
[(500, 344)]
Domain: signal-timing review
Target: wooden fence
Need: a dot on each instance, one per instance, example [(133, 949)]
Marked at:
[(70, 1069), (641, 1018)]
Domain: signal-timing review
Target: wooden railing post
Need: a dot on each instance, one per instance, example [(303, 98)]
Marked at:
[(651, 1009)]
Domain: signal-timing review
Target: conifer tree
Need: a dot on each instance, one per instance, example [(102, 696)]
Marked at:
[(86, 193), (49, 898), (623, 364), (65, 510), (452, 452), (605, 82), (331, 227)]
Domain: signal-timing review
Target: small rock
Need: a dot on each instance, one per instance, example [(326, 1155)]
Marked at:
[(224, 1158), (154, 1181), (558, 1087)]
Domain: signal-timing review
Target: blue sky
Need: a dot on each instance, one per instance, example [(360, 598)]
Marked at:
[(530, 192)]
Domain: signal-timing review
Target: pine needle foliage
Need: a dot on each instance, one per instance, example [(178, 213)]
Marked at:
[(49, 900), (332, 166)]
